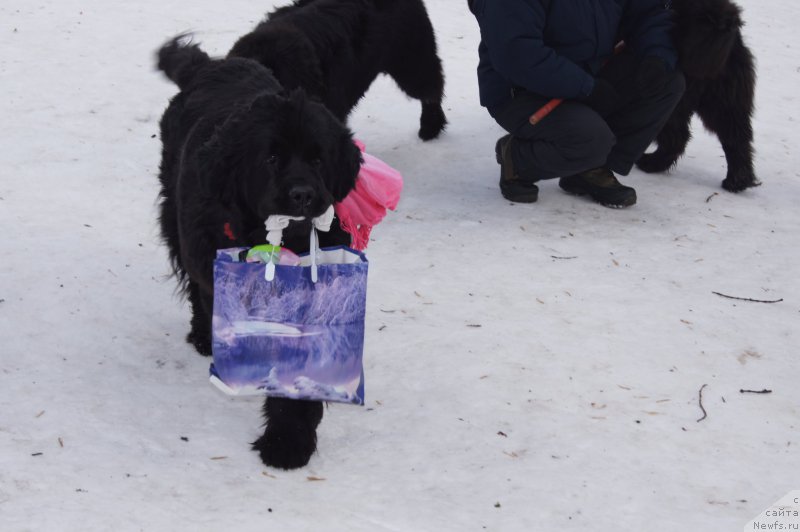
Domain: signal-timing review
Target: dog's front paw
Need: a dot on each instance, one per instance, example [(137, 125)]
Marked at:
[(286, 446), (655, 162), (738, 183), (200, 341)]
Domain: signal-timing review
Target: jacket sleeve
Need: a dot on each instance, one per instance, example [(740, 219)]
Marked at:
[(648, 29), (513, 32)]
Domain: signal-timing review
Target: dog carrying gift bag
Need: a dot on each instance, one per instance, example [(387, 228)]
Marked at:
[(294, 331)]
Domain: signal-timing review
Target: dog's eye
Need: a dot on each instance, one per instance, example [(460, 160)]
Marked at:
[(273, 160), (317, 162)]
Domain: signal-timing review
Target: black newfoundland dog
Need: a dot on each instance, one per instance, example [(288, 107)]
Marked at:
[(236, 149), (720, 85), (334, 49)]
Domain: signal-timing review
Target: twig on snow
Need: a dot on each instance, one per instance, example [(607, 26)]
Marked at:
[(756, 391), (700, 402), (748, 299)]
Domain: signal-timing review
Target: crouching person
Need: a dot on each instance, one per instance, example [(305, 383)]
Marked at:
[(614, 104)]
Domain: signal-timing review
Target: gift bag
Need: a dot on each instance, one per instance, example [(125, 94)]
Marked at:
[(294, 331)]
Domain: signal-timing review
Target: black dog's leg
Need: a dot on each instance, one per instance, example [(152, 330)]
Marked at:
[(739, 155), (432, 121), (730, 121), (290, 437), (671, 140), (422, 78), (200, 334), (427, 86)]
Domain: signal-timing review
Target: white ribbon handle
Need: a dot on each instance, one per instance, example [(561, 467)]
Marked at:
[(275, 225), (321, 223)]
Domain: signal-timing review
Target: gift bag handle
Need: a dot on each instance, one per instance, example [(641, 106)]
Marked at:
[(275, 225)]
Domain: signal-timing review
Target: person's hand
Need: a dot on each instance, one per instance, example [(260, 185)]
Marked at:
[(651, 76), (604, 98)]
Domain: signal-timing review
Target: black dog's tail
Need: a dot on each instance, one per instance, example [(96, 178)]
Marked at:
[(180, 60)]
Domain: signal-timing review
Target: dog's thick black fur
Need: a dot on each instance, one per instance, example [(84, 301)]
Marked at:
[(720, 86), (236, 149), (335, 49)]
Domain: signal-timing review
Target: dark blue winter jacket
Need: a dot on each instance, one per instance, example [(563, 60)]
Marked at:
[(554, 47)]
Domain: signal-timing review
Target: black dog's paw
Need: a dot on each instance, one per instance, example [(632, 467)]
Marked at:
[(200, 341), (286, 446), (740, 183), (432, 121), (656, 162)]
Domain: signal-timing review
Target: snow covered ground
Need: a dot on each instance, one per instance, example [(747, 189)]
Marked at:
[(528, 367)]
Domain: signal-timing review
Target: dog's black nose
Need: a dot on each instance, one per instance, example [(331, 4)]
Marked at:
[(302, 196)]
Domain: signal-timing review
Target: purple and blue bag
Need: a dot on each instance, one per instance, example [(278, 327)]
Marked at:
[(290, 336)]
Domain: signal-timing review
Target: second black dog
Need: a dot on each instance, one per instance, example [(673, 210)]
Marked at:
[(720, 86), (335, 49)]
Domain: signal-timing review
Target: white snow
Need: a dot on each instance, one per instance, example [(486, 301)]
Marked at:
[(528, 367)]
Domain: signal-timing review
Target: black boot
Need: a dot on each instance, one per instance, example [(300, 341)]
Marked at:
[(602, 186), (512, 186)]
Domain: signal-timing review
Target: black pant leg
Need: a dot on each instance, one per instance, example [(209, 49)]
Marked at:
[(571, 139), (640, 118)]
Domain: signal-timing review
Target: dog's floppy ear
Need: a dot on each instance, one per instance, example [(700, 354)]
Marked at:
[(213, 160), (207, 187), (223, 159), (346, 164)]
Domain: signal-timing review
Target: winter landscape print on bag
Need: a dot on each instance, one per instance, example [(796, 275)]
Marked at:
[(289, 337)]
